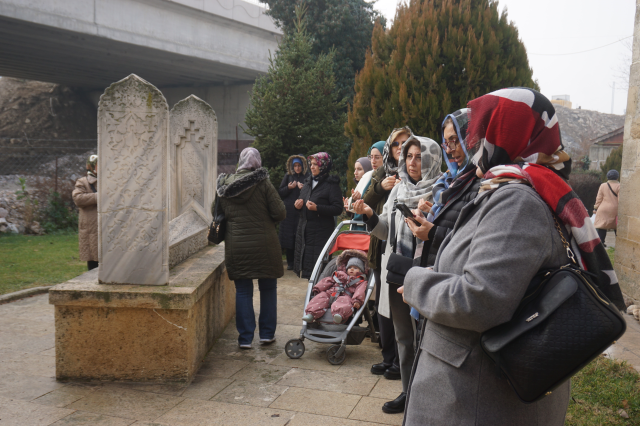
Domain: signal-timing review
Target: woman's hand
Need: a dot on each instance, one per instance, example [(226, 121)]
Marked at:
[(424, 205), (300, 185), (359, 207), (298, 204), (292, 184), (401, 291), (355, 195), (312, 206), (389, 183), (345, 203), (421, 231)]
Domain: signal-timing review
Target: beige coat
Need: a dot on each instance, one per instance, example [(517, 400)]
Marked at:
[(87, 202), (607, 206)]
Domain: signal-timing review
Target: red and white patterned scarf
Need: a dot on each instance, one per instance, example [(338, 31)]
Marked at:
[(520, 136)]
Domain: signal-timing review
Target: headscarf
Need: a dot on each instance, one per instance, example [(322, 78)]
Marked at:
[(249, 159), (92, 162), (410, 193), (613, 175), (454, 178), (297, 160), (520, 144), (324, 162), (388, 162), (365, 163), (378, 145)]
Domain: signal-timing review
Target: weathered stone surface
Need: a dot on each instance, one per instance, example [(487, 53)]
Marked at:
[(133, 203), (627, 260), (187, 236), (194, 147), (142, 333)]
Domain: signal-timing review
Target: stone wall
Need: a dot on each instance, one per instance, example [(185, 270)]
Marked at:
[(627, 260)]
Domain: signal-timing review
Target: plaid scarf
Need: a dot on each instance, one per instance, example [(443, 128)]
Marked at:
[(520, 144)]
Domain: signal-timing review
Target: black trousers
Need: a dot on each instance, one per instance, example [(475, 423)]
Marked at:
[(291, 253), (387, 333), (92, 264), (602, 233)]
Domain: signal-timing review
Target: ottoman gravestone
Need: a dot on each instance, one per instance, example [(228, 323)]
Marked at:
[(133, 206)]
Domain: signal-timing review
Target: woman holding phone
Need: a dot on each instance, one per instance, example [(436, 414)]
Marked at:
[(418, 169)]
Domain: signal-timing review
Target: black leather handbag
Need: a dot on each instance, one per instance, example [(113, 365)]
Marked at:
[(398, 265), (219, 224), (563, 323)]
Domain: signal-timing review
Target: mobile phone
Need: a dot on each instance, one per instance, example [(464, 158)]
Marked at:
[(406, 212)]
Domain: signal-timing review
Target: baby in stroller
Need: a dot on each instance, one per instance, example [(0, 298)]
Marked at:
[(344, 291)]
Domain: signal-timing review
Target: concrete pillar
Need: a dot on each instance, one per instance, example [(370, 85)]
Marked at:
[(627, 260)]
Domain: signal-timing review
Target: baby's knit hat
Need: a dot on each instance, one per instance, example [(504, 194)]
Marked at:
[(354, 261)]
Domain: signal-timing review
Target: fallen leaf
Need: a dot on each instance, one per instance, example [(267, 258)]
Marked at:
[(625, 404), (278, 415), (623, 414)]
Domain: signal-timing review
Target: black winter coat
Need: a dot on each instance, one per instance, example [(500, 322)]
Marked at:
[(445, 221), (289, 226), (315, 227)]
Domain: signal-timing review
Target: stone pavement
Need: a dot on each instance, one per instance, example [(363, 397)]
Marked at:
[(233, 387)]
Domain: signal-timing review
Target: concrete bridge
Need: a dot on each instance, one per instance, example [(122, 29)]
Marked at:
[(212, 48)]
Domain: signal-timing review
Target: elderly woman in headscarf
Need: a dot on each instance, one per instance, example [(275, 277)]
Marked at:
[(606, 206), (85, 196), (484, 267), (252, 208), (418, 169), (297, 172), (452, 191), (320, 201)]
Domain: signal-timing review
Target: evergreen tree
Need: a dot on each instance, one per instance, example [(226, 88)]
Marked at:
[(342, 25), (613, 162), (437, 56), (294, 108)]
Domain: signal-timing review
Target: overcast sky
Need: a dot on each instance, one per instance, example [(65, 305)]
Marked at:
[(550, 29)]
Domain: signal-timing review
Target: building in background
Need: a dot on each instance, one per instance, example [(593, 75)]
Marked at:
[(602, 146), (564, 100)]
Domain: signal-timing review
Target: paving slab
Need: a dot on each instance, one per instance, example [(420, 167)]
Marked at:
[(16, 412), (205, 387), (387, 389), (368, 409), (250, 393), (221, 368), (130, 404), (261, 373), (59, 398), (317, 402), (306, 419), (26, 387), (329, 381), (80, 418)]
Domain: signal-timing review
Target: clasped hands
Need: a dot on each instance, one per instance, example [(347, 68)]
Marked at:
[(294, 183), (310, 205)]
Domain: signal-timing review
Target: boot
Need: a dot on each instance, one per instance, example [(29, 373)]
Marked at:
[(379, 369), (392, 373), (395, 406)]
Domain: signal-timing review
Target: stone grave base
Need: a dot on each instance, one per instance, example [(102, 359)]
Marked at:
[(142, 333)]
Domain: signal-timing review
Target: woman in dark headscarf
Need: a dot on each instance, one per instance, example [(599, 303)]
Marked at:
[(320, 201), (297, 172), (483, 269), (252, 208)]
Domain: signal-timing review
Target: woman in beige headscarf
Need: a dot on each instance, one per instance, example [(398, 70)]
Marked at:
[(85, 195)]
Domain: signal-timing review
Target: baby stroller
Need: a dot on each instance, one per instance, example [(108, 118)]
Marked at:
[(324, 330)]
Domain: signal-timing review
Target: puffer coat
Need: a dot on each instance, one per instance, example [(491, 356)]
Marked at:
[(445, 221), (289, 226), (315, 227), (87, 201), (252, 207)]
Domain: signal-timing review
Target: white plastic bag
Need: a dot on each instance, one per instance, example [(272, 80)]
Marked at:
[(593, 218)]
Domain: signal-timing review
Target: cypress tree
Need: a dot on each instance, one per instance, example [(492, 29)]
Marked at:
[(437, 56), (294, 108)]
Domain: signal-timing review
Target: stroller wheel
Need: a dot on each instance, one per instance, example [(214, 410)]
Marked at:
[(333, 354), (294, 348)]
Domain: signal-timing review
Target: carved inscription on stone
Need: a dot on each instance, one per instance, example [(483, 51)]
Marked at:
[(133, 203), (194, 146)]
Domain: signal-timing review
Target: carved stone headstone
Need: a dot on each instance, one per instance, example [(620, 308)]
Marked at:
[(133, 167), (193, 152), (194, 147)]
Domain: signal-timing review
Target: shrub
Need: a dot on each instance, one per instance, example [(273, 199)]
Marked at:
[(614, 162), (586, 185)]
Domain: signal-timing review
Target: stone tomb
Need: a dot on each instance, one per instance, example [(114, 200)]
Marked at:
[(133, 166), (193, 166)]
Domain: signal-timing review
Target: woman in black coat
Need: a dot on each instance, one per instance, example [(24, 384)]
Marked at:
[(320, 201), (297, 172)]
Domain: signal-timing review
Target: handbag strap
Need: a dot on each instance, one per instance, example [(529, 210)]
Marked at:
[(392, 227), (611, 189), (93, 188), (565, 243)]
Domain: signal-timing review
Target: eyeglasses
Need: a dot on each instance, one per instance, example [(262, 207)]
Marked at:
[(451, 144), (374, 157), (394, 144)]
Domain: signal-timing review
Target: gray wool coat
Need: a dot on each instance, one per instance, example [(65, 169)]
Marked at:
[(481, 273)]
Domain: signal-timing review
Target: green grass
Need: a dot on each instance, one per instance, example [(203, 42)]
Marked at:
[(600, 390), (32, 261), (611, 251)]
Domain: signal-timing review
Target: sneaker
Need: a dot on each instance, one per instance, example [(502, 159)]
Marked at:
[(308, 318), (267, 341), (246, 346), (337, 318)]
